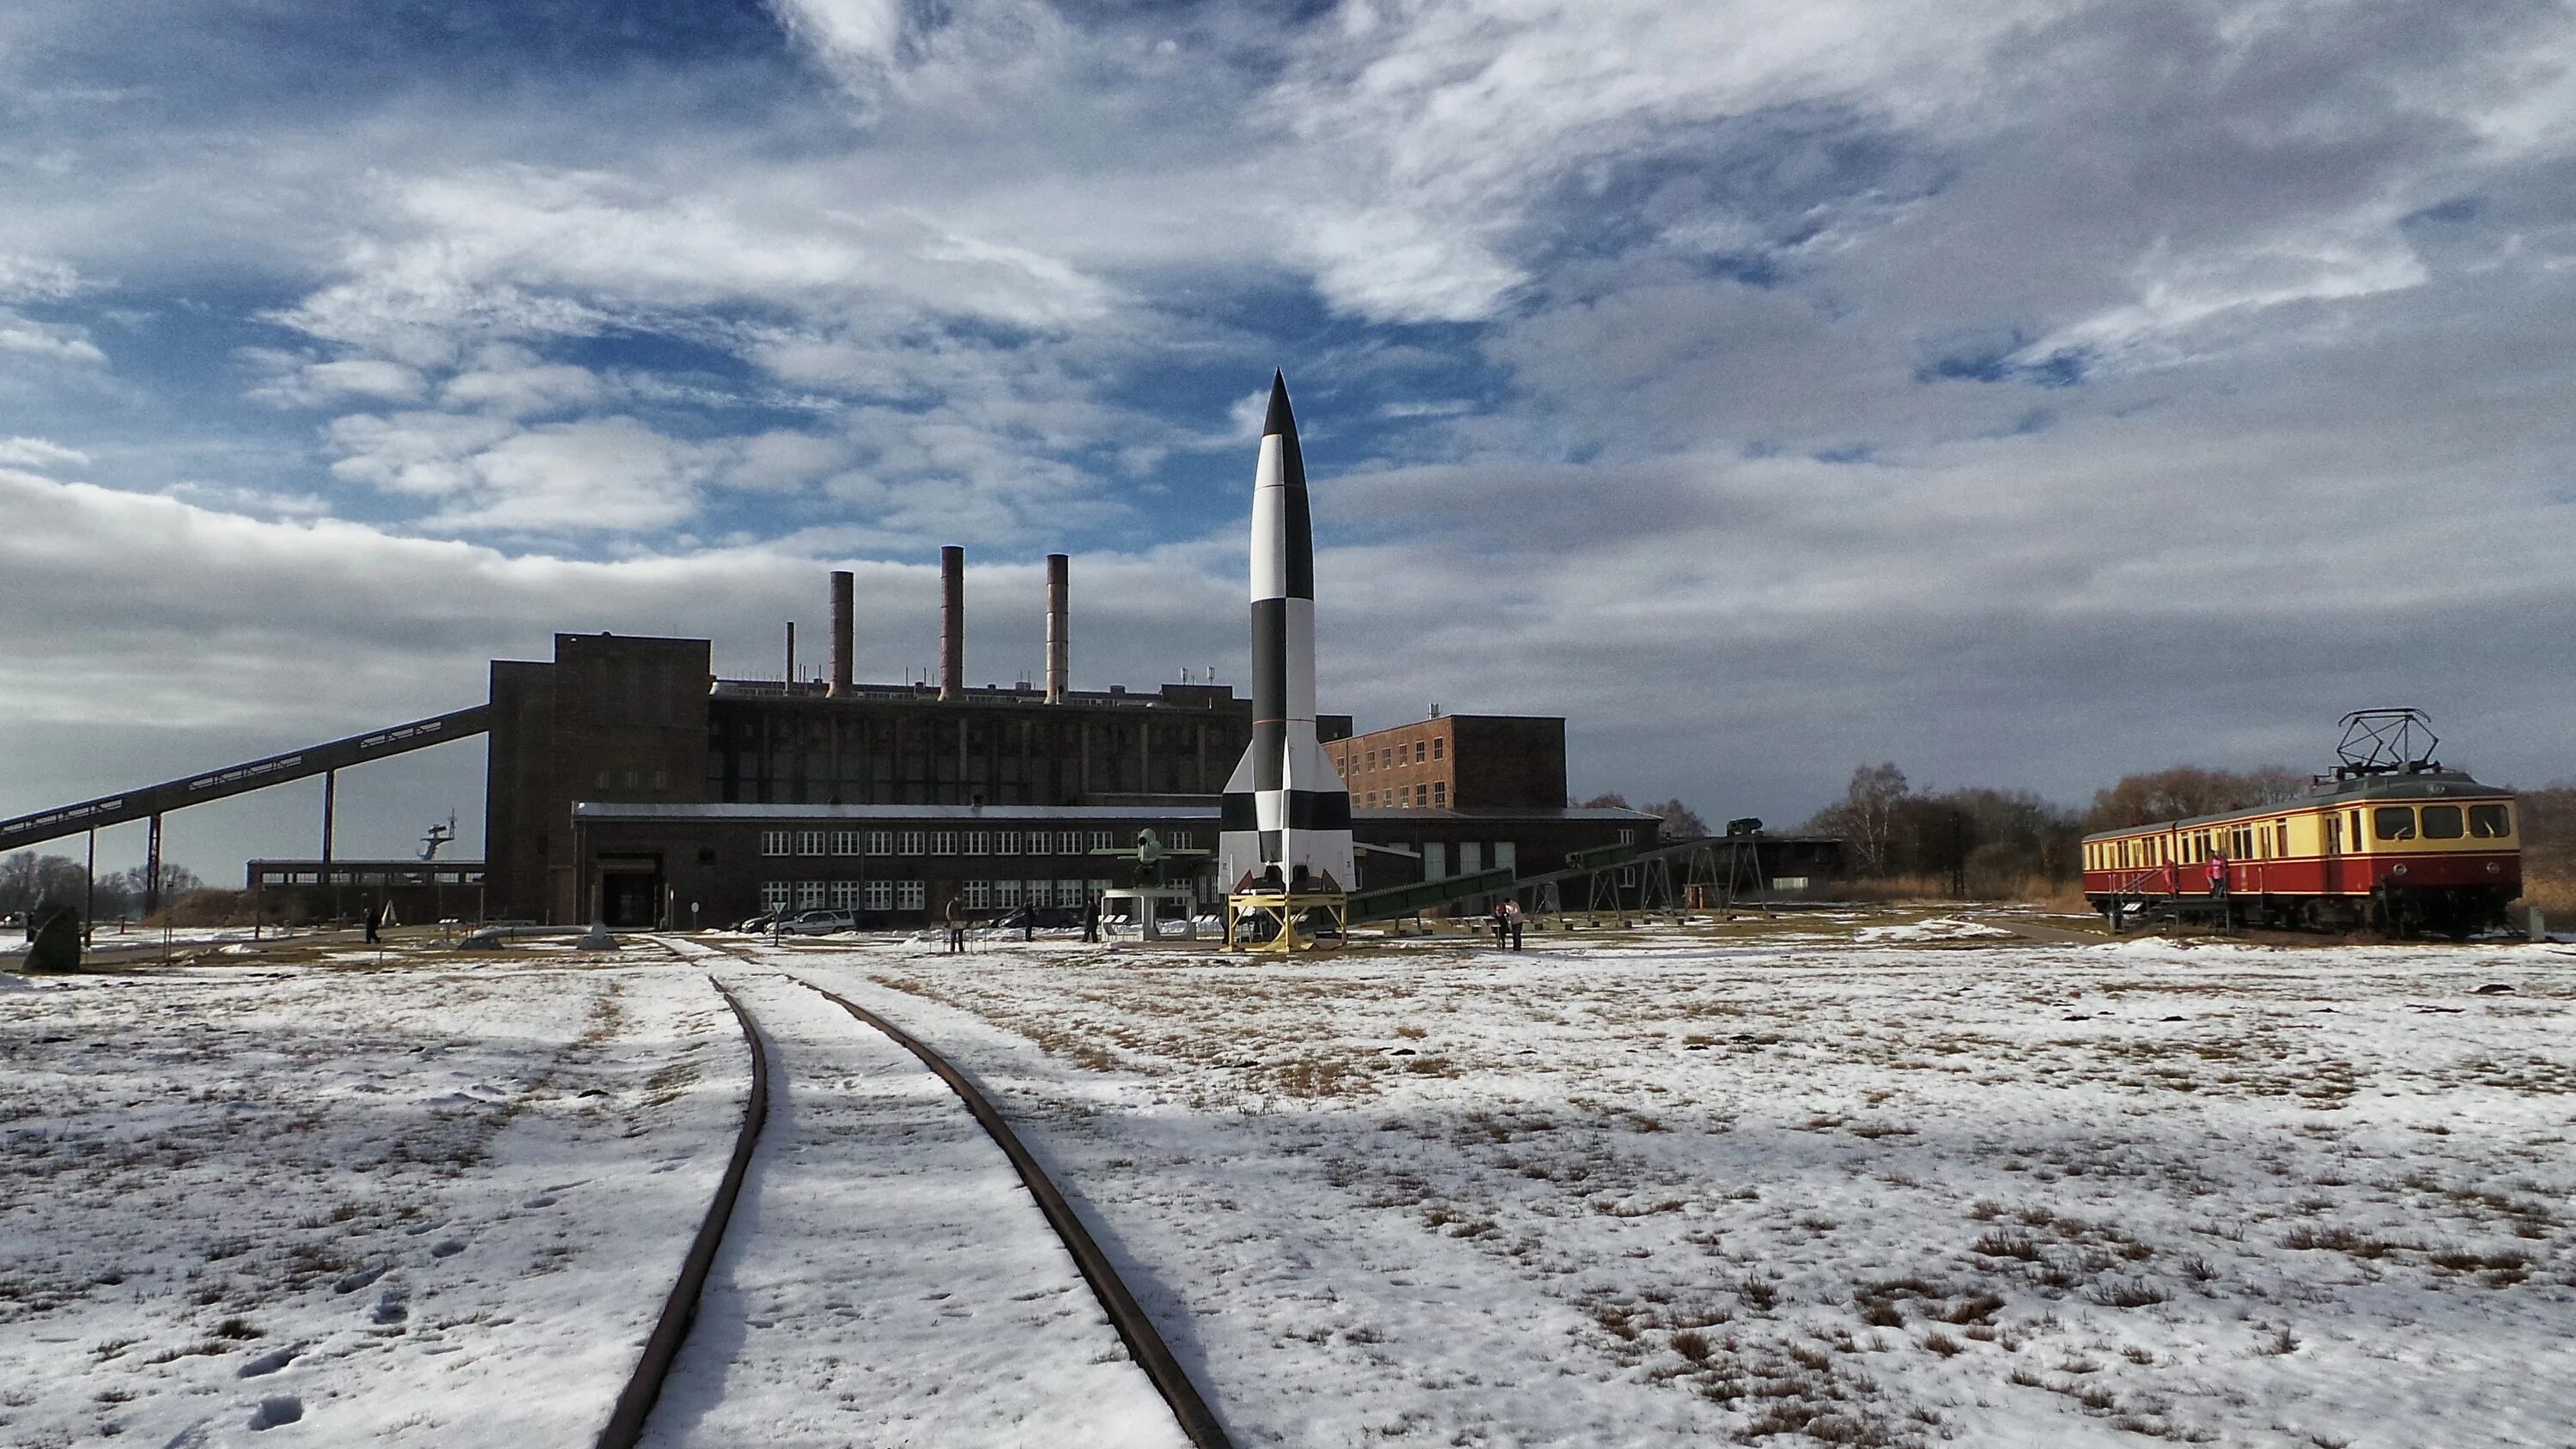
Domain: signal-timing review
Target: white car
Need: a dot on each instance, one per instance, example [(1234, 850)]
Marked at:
[(819, 922)]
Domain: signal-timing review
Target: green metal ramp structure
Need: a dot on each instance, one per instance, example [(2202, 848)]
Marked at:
[(1722, 861)]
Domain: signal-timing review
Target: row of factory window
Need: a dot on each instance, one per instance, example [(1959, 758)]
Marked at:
[(1388, 757), (369, 877), (913, 895), (1469, 857), (949, 842), (2266, 840), (1435, 793)]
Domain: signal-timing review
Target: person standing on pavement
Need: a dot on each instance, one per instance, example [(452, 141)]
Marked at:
[(1512, 918), (1091, 919), (1502, 925), (956, 928)]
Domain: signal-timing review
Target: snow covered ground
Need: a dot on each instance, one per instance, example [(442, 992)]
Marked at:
[(428, 1206), (1650, 1187), (1655, 1191), (108, 937)]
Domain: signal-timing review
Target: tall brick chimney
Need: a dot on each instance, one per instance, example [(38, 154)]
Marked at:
[(845, 587), (952, 623), (1059, 632)]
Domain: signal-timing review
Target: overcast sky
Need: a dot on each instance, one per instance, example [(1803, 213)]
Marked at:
[(2025, 392)]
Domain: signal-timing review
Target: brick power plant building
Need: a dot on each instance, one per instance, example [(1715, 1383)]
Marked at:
[(628, 784)]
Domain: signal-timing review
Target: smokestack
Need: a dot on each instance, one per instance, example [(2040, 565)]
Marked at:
[(791, 656), (1059, 631), (844, 606), (952, 623)]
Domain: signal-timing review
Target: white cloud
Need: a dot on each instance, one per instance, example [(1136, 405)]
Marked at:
[(517, 252), (256, 502), (2358, 257), (47, 341), (293, 382), (513, 382), (1249, 412), (38, 453), (782, 461), (1430, 129), (421, 453), (595, 475), (937, 58), (601, 474), (1448, 408), (25, 279)]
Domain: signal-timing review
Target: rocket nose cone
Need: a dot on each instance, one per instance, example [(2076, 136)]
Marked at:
[(1280, 420)]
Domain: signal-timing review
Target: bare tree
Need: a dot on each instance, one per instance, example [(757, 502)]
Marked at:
[(1866, 815), (29, 880), (2188, 790), (1680, 821)]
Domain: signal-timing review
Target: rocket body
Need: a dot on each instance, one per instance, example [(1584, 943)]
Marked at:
[(1286, 809)]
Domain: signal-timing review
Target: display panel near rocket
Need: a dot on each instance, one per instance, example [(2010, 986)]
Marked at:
[(1286, 820)]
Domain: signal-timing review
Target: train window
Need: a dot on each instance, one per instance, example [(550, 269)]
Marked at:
[(2490, 822), (2441, 822), (2393, 822)]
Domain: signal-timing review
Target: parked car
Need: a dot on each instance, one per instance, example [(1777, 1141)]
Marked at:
[(759, 924), (823, 922)]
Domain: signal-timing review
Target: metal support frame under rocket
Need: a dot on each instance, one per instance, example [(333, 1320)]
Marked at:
[(1286, 808)]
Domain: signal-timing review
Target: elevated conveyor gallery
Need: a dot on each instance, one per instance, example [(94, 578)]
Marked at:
[(153, 801), (1404, 900)]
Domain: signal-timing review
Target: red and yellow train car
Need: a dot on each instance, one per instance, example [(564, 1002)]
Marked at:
[(2410, 850)]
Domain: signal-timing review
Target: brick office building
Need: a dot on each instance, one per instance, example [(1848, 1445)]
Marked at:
[(1469, 761)]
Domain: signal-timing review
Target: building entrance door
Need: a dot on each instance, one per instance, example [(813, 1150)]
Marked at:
[(630, 891)]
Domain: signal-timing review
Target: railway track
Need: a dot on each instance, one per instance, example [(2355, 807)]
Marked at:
[(680, 1309), (789, 1296)]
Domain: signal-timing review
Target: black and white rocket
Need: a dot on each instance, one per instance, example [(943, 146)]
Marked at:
[(1286, 809)]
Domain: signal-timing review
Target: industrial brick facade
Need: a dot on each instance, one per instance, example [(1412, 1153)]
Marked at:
[(636, 721), (626, 783), (1467, 762)]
